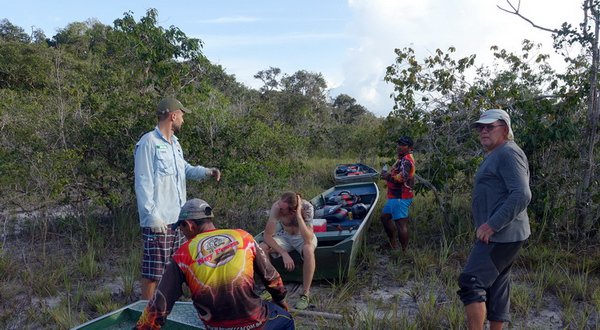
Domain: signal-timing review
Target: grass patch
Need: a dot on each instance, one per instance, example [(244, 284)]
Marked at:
[(101, 301), (520, 299)]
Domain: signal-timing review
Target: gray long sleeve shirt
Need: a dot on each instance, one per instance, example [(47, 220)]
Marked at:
[(501, 194)]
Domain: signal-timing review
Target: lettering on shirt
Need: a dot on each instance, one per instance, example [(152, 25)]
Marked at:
[(246, 327), (216, 250)]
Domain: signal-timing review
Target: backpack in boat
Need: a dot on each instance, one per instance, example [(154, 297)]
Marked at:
[(360, 210), (340, 170), (344, 199), (332, 213)]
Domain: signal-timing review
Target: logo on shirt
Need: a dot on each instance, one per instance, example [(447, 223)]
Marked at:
[(216, 250)]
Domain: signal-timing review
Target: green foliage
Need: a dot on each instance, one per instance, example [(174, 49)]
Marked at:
[(11, 32), (25, 66)]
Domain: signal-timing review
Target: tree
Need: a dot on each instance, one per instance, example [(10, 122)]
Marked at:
[(10, 32), (269, 79), (346, 110), (311, 85), (587, 36)]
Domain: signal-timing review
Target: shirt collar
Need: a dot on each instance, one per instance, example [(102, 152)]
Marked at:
[(160, 135)]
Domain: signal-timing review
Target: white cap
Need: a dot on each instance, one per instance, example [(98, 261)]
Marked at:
[(490, 116)]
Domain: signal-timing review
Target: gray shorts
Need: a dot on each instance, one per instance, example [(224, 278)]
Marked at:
[(486, 277), (291, 242)]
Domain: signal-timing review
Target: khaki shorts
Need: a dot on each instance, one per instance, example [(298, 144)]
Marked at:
[(291, 242)]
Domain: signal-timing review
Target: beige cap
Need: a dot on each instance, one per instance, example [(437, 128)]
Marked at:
[(490, 116)]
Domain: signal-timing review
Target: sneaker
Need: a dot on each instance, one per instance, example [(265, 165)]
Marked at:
[(266, 296), (302, 303)]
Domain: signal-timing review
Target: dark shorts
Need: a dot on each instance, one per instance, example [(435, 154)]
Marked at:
[(486, 277), (158, 248), (279, 318)]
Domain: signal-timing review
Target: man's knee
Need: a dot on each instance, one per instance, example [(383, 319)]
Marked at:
[(308, 250), (402, 224), (471, 289)]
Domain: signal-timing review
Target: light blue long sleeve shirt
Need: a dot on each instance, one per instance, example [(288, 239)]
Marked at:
[(160, 175)]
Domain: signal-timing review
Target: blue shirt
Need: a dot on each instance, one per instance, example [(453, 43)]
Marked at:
[(160, 174)]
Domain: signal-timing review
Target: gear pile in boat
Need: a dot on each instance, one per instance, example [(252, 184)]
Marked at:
[(342, 211)]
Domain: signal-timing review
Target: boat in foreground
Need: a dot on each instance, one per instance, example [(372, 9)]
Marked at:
[(342, 216), (183, 316), (357, 172)]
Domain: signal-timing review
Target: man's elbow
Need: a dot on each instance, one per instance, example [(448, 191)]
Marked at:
[(307, 237), (527, 195)]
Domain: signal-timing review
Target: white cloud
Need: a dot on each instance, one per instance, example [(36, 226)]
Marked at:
[(377, 28)]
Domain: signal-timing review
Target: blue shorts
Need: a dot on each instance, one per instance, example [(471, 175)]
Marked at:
[(397, 207)]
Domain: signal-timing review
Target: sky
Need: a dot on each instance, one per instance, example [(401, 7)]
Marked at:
[(350, 42)]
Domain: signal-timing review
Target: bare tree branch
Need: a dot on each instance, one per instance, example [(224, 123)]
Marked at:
[(515, 11)]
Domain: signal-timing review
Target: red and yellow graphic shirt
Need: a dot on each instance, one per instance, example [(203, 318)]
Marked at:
[(218, 266), (402, 180)]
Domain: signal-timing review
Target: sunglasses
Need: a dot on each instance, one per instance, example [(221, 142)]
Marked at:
[(486, 127)]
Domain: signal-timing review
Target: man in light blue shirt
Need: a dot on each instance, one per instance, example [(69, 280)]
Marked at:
[(160, 188)]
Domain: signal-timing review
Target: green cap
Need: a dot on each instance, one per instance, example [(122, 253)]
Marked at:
[(169, 104)]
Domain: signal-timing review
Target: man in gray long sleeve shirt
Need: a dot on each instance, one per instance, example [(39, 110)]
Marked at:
[(499, 205)]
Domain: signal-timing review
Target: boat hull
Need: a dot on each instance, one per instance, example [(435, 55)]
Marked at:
[(183, 316), (357, 172)]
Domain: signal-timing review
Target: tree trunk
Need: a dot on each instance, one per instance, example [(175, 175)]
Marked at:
[(583, 196)]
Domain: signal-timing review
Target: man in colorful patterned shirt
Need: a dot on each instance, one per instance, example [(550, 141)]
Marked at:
[(218, 265), (400, 183)]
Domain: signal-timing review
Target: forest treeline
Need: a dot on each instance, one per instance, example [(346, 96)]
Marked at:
[(74, 105)]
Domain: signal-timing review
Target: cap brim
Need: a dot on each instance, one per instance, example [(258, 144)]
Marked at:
[(186, 110), (484, 121), (176, 225)]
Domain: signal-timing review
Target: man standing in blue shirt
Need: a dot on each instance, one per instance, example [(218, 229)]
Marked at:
[(160, 175)]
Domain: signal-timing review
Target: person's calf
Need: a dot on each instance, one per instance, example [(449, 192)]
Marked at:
[(308, 267), (148, 288), (390, 230), (496, 325), (403, 236), (475, 313)]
